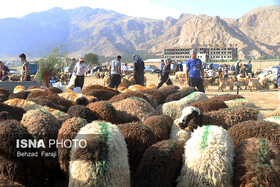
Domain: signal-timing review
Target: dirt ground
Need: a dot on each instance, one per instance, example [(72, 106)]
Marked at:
[(265, 100)]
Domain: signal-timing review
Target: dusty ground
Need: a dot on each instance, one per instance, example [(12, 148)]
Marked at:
[(265, 100)]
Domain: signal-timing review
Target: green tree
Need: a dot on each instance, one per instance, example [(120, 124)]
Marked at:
[(264, 57), (91, 58), (55, 61)]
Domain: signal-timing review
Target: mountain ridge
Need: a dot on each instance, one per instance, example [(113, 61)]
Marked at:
[(108, 33)]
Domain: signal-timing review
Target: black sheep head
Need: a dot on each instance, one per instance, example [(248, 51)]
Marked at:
[(82, 101), (190, 118)]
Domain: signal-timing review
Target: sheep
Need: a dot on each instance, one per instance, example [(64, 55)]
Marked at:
[(5, 92), (13, 111), (134, 108), (262, 80), (42, 125), (59, 115), (74, 97), (209, 156), (170, 89), (209, 105), (160, 125), (15, 78), (227, 97), (18, 88), (253, 83), (65, 103), (4, 181), (26, 105), (226, 82), (159, 96), (179, 95), (19, 95), (54, 90), (68, 131), (104, 111), (15, 168), (104, 160), (151, 86), (126, 95), (240, 102), (271, 85), (82, 112), (138, 138), (3, 98), (257, 163), (160, 165), (255, 129), (45, 101), (190, 115), (101, 94), (174, 108), (106, 80)]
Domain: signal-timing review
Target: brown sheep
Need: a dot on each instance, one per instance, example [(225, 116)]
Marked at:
[(257, 163), (209, 105)]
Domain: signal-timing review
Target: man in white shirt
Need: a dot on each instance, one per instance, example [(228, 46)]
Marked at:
[(80, 69), (115, 73)]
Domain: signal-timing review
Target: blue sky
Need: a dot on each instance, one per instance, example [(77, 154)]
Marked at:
[(156, 9)]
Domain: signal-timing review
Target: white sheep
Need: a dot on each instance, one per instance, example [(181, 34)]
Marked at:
[(189, 115), (209, 156), (104, 159), (174, 108), (240, 102)]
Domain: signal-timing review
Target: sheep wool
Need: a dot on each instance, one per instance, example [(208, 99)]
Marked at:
[(13, 112), (179, 134), (5, 92), (19, 95), (126, 95), (138, 138), (82, 112), (41, 124), (209, 156), (170, 89), (174, 108), (104, 111), (18, 89), (160, 165), (179, 95), (255, 129), (275, 119), (3, 98), (60, 116), (230, 116), (227, 97), (134, 108), (240, 102), (71, 96), (26, 105), (68, 131), (104, 160), (160, 126), (257, 163), (209, 105)]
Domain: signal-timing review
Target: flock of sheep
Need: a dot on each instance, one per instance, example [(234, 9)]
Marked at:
[(138, 136)]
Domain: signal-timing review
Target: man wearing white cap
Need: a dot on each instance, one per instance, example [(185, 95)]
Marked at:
[(195, 71)]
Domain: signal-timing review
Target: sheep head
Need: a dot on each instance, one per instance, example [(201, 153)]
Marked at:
[(190, 118)]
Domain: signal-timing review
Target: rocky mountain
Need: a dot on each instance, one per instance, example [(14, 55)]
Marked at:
[(108, 33)]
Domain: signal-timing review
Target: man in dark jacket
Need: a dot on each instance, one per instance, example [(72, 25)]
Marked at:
[(165, 74), (138, 67)]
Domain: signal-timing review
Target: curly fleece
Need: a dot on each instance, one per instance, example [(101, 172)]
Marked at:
[(257, 163), (104, 161), (209, 156)]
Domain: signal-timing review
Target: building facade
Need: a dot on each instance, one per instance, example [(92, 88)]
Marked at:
[(207, 53)]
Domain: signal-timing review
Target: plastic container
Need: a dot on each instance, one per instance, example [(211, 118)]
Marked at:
[(52, 81)]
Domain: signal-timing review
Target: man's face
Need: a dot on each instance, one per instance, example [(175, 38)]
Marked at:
[(22, 59), (170, 62), (81, 61), (194, 55), (119, 59)]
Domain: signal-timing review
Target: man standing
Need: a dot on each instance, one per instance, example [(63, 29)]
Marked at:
[(71, 67), (80, 71), (249, 68), (138, 70), (195, 71), (165, 74), (115, 72), (25, 68), (237, 67)]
